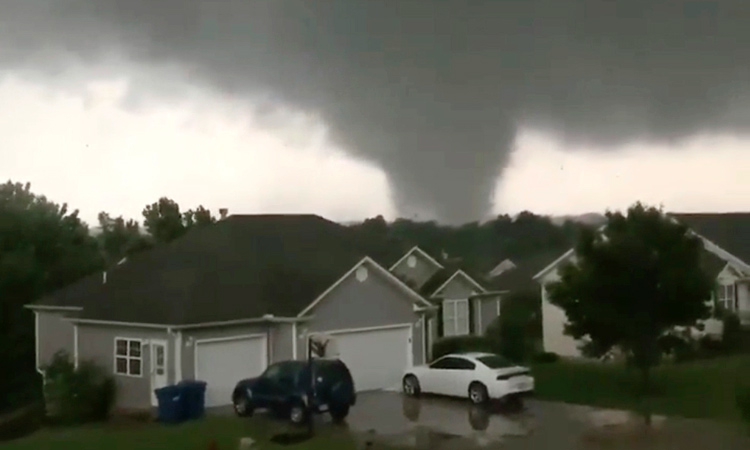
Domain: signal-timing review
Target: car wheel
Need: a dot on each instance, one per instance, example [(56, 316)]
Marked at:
[(243, 407), (411, 386), (297, 413), (339, 413), (478, 393)]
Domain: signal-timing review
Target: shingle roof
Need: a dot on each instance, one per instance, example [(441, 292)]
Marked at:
[(730, 231), (520, 277), (241, 267), (443, 275)]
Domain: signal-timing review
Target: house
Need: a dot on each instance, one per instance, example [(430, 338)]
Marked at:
[(517, 276), (224, 301), (726, 239), (465, 307)]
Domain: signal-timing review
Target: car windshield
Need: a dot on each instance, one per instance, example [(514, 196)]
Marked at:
[(495, 362)]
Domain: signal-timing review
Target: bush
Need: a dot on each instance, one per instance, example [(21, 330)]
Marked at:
[(460, 344), (731, 337), (742, 398), (517, 331), (546, 358), (75, 396)]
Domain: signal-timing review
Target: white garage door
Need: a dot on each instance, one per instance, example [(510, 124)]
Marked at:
[(221, 363), (376, 358)]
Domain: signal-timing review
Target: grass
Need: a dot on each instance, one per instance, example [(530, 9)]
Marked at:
[(196, 435), (700, 389)]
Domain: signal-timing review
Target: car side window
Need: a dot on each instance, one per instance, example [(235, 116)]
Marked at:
[(453, 364)]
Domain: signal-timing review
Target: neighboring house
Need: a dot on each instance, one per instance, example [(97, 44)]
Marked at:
[(465, 306), (224, 301), (518, 276), (726, 239)]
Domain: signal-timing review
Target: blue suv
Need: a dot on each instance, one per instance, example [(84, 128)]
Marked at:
[(286, 388)]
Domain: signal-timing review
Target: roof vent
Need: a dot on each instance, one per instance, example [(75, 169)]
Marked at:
[(223, 213), (268, 316)]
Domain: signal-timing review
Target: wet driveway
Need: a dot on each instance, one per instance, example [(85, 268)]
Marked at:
[(442, 423)]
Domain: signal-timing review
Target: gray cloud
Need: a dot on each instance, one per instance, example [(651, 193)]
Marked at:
[(433, 91)]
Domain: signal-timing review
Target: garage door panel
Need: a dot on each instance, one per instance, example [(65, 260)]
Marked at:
[(221, 364), (376, 358)]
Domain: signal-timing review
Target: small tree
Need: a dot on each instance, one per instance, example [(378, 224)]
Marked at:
[(632, 281)]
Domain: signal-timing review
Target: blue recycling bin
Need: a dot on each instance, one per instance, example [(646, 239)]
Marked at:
[(194, 393), (171, 400)]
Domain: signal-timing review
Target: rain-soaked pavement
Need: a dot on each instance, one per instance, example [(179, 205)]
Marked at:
[(442, 423)]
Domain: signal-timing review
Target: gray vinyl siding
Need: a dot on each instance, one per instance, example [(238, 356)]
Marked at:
[(377, 301), (458, 287), (97, 343), (190, 336), (419, 274), (282, 342), (489, 311), (55, 334)]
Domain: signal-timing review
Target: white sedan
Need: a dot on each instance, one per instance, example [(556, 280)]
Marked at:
[(480, 376)]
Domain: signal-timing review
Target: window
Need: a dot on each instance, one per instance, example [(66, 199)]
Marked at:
[(495, 361), (451, 363), (726, 296), (455, 317), (128, 358)]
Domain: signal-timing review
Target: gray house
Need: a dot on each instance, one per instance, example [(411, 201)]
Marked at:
[(225, 301), (464, 306)]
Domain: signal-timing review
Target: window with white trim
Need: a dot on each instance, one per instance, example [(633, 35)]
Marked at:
[(726, 296), (455, 317), (128, 357)]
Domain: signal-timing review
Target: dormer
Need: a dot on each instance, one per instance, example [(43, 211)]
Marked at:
[(416, 266)]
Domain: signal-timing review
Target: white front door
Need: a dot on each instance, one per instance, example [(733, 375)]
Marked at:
[(158, 367)]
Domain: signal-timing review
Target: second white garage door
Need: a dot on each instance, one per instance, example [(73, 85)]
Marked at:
[(222, 362), (376, 358)]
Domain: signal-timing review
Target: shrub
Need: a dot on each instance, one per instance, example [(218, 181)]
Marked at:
[(546, 357), (515, 333), (742, 398), (74, 396), (459, 344), (731, 337)]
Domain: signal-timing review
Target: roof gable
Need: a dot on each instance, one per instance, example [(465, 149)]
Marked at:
[(456, 275), (729, 231), (419, 254)]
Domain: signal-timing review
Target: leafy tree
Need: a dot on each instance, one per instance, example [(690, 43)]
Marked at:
[(165, 222), (120, 238), (633, 281), (43, 247)]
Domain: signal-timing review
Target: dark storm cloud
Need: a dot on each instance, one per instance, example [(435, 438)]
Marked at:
[(431, 90)]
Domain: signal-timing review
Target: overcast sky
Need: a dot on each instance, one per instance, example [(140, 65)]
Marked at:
[(351, 109), (83, 147)]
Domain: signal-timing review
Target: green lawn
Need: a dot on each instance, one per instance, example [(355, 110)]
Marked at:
[(701, 389), (197, 435)]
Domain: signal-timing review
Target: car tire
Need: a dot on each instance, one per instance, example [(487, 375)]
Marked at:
[(339, 413), (411, 386), (478, 393), (297, 413), (243, 406)]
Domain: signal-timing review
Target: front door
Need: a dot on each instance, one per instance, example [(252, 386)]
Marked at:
[(158, 367)]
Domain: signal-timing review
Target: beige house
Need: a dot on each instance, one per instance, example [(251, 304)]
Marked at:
[(726, 238)]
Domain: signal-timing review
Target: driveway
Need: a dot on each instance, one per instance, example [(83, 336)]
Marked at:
[(442, 423)]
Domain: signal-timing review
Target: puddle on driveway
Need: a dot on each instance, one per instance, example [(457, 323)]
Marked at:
[(439, 423)]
